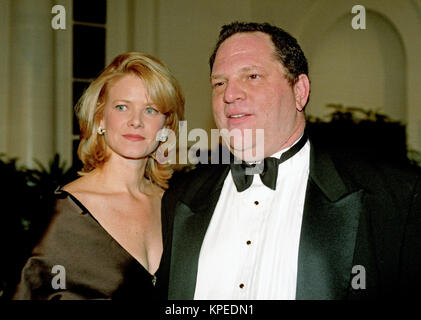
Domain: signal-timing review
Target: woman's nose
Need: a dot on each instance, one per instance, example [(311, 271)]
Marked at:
[(136, 120)]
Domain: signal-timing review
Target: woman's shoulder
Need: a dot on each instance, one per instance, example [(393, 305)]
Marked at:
[(69, 221), (82, 184), (73, 207), (68, 212), (82, 191)]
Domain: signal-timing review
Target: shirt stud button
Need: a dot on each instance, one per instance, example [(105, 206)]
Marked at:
[(241, 285), (256, 202), (248, 242)]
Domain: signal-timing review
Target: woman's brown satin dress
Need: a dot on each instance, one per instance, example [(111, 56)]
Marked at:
[(91, 263)]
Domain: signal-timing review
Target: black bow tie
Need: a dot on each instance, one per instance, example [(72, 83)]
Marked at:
[(242, 173)]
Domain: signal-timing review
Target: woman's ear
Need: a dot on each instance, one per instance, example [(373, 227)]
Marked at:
[(101, 119), (301, 91)]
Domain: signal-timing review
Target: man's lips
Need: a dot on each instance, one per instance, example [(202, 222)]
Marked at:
[(133, 137), (238, 118)]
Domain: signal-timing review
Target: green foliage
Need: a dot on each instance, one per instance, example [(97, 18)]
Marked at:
[(27, 197), (364, 131), (352, 114)]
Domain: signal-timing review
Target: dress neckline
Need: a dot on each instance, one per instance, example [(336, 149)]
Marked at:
[(76, 201)]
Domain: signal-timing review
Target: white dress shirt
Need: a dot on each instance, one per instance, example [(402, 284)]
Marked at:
[(250, 250)]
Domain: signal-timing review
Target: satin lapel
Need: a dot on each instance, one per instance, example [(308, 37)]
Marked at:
[(192, 217), (328, 232)]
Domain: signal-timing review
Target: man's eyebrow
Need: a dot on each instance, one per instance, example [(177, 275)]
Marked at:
[(217, 76), (242, 70), (250, 68)]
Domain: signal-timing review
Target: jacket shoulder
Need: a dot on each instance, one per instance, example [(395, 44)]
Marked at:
[(392, 182), (188, 183)]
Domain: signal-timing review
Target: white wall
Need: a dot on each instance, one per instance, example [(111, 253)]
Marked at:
[(397, 22), (364, 68), (376, 68), (372, 69)]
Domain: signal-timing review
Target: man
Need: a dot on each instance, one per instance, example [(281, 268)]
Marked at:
[(316, 224)]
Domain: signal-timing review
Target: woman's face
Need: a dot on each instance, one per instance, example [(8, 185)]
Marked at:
[(130, 119)]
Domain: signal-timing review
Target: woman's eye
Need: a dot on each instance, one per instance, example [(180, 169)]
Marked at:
[(150, 110), (121, 107)]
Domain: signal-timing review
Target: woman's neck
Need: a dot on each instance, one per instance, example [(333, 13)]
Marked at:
[(118, 174)]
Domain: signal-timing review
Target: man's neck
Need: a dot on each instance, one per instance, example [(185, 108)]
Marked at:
[(253, 154)]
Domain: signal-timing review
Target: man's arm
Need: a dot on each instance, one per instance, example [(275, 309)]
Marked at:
[(411, 248)]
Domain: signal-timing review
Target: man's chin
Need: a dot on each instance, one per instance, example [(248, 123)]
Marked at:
[(246, 144), (248, 154)]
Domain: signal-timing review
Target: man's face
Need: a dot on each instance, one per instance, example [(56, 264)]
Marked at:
[(250, 91)]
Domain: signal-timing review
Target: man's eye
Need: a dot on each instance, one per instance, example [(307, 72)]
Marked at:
[(218, 84), (254, 76), (121, 107)]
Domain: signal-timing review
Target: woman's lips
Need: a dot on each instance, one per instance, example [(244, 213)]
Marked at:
[(133, 137)]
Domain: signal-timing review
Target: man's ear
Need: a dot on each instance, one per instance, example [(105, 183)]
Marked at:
[(301, 91)]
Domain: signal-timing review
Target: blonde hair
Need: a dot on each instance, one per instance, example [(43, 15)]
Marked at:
[(163, 89)]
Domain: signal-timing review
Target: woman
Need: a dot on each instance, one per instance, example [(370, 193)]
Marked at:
[(104, 240)]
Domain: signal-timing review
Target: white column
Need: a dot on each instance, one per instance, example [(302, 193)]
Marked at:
[(119, 28), (4, 72), (145, 25), (63, 103), (31, 94), (132, 25)]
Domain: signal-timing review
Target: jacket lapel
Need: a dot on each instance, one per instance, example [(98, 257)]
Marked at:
[(328, 232), (192, 217)]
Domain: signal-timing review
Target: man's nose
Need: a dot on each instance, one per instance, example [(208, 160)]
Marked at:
[(233, 92)]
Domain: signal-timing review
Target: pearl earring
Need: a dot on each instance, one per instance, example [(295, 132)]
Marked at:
[(100, 131), (163, 136)]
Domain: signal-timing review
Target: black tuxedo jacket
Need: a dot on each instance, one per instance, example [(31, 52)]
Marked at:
[(360, 234)]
